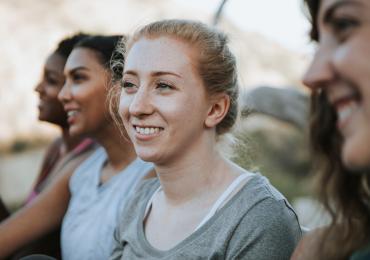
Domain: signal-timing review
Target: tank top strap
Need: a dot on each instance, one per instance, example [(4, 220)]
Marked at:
[(224, 196)]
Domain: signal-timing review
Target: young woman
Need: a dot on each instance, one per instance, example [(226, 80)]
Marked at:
[(340, 129), (179, 96), (99, 187), (66, 152)]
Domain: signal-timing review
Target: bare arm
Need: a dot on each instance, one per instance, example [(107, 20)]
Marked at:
[(43, 215)]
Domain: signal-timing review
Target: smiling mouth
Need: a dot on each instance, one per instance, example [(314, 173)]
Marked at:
[(147, 130), (346, 107), (71, 113)]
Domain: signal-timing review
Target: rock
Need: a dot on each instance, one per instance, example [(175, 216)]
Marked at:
[(286, 104)]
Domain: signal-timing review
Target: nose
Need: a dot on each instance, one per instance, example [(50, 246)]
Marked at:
[(320, 71), (141, 103), (65, 93), (39, 87)]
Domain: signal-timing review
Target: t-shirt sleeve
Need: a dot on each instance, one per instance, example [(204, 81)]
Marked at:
[(269, 230)]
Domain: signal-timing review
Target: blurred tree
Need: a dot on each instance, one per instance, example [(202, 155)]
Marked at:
[(217, 16)]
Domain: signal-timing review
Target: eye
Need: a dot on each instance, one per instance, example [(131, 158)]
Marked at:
[(162, 86), (51, 81), (128, 87), (78, 77), (342, 27)]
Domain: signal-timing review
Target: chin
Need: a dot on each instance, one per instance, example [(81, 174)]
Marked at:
[(146, 155), (74, 131)]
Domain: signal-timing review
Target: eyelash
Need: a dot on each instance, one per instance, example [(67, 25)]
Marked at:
[(163, 86), (51, 81), (127, 84), (128, 87), (77, 77), (343, 26)]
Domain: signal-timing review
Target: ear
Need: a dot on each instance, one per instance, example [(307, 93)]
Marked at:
[(219, 107)]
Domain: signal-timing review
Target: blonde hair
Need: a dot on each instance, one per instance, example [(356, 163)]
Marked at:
[(215, 63)]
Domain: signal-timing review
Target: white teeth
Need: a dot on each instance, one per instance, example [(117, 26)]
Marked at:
[(71, 113), (147, 130), (345, 111)]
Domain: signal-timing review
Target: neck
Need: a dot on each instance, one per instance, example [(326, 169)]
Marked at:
[(120, 151), (194, 175), (70, 142)]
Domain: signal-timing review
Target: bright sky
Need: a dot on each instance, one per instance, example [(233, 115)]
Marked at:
[(280, 20)]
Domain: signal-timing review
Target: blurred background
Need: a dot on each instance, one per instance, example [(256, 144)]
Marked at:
[(268, 37)]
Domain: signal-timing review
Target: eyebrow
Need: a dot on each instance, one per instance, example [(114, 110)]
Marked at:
[(51, 72), (328, 15), (154, 74), (77, 69)]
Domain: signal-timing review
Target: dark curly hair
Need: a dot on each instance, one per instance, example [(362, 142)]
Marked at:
[(66, 45)]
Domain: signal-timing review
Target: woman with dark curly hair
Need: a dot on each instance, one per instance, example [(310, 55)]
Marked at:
[(340, 127)]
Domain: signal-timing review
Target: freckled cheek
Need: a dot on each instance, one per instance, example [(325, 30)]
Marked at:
[(180, 111), (123, 107)]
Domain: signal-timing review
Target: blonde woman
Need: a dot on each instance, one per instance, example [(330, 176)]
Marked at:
[(179, 96)]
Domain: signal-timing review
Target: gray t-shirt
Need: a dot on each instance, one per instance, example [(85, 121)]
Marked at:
[(256, 223), (94, 209)]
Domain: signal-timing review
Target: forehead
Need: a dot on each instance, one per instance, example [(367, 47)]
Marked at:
[(55, 62), (82, 57), (159, 54), (326, 5)]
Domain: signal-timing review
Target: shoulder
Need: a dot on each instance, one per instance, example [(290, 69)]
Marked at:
[(258, 189), (267, 227), (267, 205), (89, 166)]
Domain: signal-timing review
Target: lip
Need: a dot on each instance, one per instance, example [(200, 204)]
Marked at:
[(71, 118)]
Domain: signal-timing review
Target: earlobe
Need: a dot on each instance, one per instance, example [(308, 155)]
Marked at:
[(217, 111)]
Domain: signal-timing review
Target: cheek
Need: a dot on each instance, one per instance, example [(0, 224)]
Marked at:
[(52, 93), (123, 106), (355, 152), (353, 61)]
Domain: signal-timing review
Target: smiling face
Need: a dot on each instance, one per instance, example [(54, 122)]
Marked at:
[(163, 102), (341, 68), (50, 108), (84, 93)]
